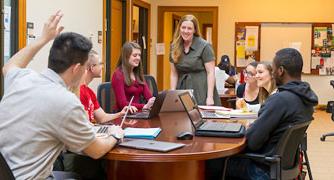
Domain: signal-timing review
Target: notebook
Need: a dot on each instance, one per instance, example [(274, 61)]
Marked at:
[(172, 101), (154, 110), (204, 128), (145, 133), (151, 145)]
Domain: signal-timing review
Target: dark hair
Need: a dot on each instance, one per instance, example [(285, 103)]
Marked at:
[(123, 63), (67, 49), (291, 60), (253, 64), (224, 63)]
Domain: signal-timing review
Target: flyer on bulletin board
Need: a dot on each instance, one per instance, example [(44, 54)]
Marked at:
[(320, 34), (252, 33)]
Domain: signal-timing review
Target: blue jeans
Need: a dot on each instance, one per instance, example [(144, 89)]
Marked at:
[(243, 168)]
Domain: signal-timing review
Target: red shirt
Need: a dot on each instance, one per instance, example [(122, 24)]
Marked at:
[(123, 93), (89, 101)]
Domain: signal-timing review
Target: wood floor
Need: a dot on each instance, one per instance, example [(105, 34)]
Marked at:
[(321, 154)]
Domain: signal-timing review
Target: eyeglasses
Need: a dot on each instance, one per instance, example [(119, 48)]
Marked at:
[(248, 74), (99, 63)]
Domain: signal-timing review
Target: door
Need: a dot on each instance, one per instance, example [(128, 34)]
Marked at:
[(140, 30), (9, 34)]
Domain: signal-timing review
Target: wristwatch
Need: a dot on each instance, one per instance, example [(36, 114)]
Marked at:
[(118, 140)]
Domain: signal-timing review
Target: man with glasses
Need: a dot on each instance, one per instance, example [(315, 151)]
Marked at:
[(87, 95)]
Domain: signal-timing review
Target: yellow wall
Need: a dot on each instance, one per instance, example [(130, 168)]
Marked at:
[(231, 11)]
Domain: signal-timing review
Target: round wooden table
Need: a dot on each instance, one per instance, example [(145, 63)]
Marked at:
[(184, 163)]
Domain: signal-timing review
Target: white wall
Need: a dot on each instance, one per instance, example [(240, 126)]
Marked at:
[(80, 16)]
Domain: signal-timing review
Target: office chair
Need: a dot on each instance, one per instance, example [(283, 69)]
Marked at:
[(106, 97), (284, 163), (5, 171), (152, 84), (306, 162), (323, 137)]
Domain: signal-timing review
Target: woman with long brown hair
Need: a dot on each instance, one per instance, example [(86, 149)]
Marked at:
[(128, 79), (193, 62)]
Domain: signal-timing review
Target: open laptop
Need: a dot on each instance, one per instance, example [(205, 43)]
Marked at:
[(172, 101), (151, 145), (204, 128), (154, 110)]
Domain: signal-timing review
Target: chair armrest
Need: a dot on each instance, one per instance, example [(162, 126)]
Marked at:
[(261, 158)]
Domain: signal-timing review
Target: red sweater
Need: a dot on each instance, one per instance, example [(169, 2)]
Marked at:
[(123, 93)]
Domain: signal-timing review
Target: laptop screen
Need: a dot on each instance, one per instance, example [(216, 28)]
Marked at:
[(191, 108)]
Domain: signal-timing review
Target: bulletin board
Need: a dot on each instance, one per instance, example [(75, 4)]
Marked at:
[(313, 40)]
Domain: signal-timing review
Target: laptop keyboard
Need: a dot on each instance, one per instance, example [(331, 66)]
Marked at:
[(101, 129), (218, 126), (208, 114)]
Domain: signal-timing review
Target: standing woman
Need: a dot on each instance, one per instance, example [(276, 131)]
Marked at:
[(193, 62), (128, 79)]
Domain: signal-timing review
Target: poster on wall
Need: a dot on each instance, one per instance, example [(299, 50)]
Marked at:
[(252, 38), (323, 50), (320, 35)]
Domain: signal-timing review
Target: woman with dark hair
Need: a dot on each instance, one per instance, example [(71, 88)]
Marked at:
[(128, 79), (192, 62), (248, 93)]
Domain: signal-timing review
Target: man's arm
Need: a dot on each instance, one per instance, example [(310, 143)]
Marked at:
[(22, 58), (101, 117), (100, 146)]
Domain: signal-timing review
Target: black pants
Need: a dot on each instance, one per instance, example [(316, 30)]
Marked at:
[(85, 166)]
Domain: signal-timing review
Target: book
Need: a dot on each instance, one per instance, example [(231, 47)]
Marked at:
[(144, 133)]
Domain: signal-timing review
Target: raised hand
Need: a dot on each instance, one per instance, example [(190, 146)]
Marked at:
[(51, 28)]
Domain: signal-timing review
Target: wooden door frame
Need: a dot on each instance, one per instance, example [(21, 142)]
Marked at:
[(147, 6), (20, 36), (162, 10)]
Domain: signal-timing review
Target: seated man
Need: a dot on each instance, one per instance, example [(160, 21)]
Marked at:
[(88, 97), (39, 116), (293, 103)]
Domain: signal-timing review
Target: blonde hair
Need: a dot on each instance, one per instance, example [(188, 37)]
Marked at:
[(123, 63), (263, 93), (177, 44), (91, 55)]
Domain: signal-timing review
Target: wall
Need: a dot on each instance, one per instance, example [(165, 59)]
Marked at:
[(86, 20), (231, 11)]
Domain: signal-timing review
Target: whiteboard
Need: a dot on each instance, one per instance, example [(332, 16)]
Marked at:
[(275, 36)]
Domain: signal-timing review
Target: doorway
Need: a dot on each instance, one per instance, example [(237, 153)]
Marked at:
[(114, 35), (168, 17), (12, 32), (141, 30)]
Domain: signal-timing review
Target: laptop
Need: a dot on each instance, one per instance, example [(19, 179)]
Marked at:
[(155, 110), (172, 101), (160, 146), (204, 128)]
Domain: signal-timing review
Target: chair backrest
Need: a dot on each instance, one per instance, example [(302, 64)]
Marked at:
[(106, 97), (152, 84), (288, 145), (5, 171)]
